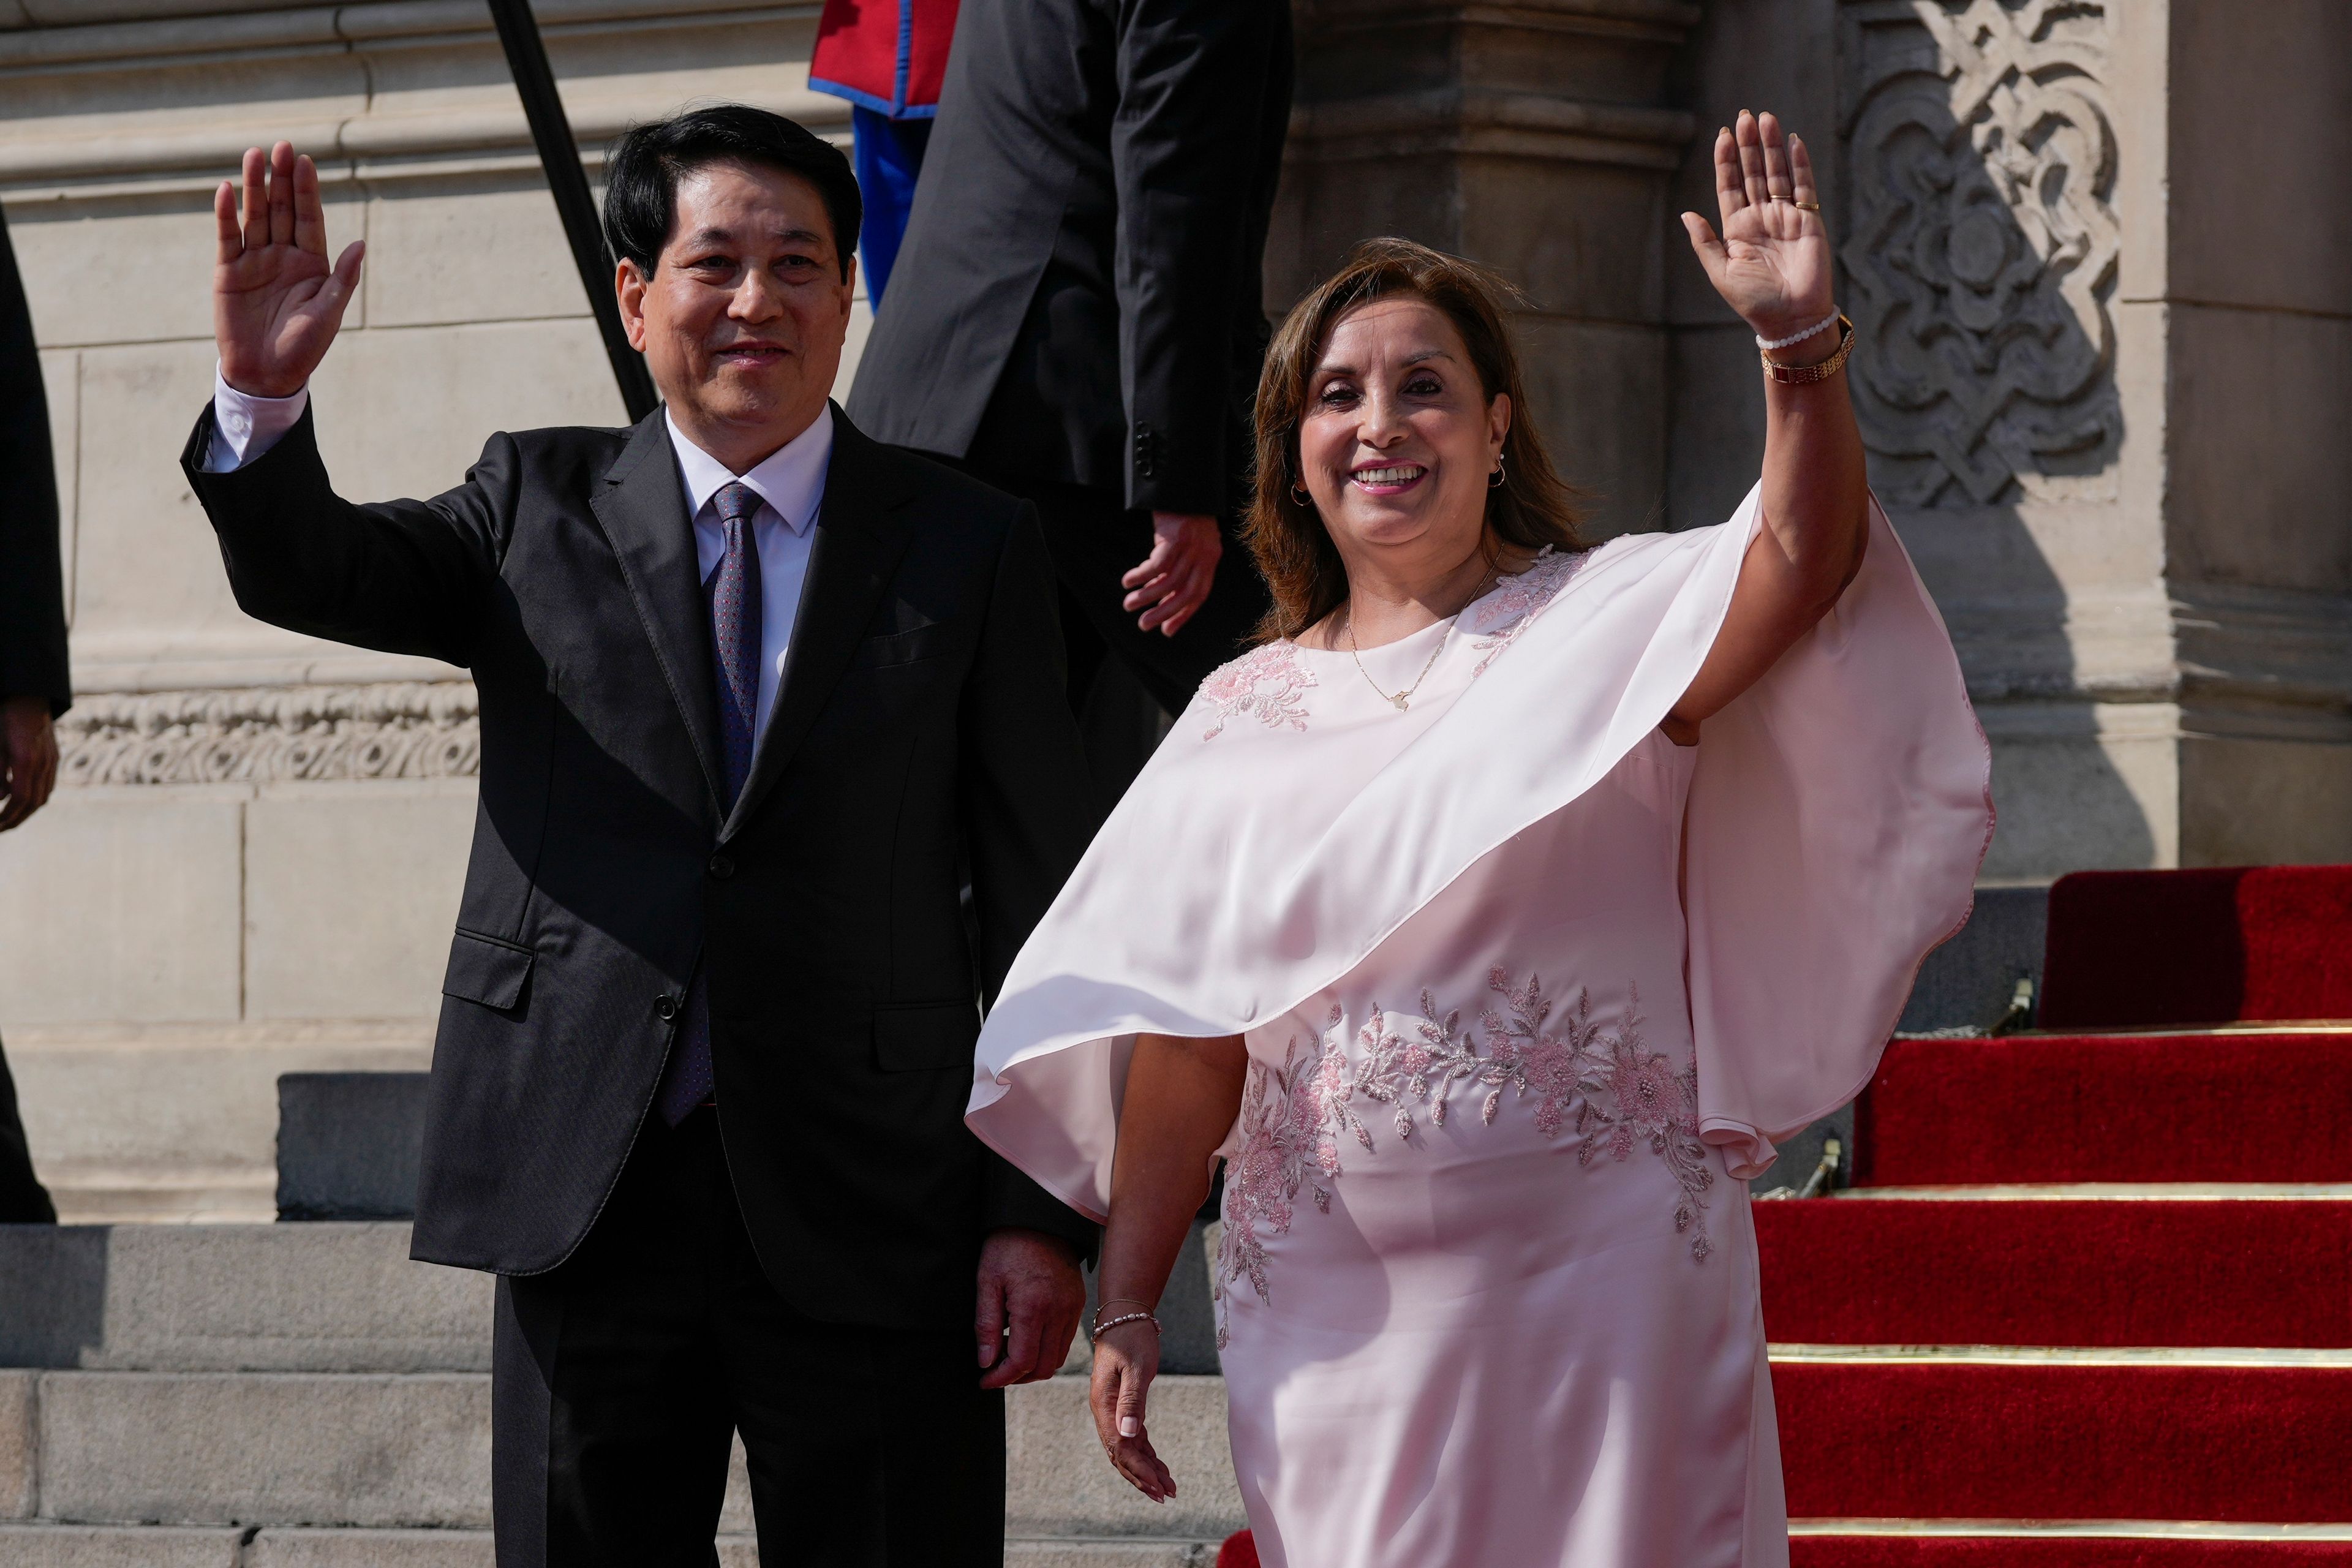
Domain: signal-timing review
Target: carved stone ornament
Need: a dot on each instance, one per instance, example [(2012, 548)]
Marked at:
[(1982, 248), (413, 730)]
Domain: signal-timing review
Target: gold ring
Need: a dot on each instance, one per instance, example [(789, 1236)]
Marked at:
[(1807, 207)]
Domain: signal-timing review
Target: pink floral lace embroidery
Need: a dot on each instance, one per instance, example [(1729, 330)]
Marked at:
[(1293, 1118), (1268, 681), (1513, 606)]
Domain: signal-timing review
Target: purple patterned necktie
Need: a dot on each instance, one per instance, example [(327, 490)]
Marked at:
[(735, 623)]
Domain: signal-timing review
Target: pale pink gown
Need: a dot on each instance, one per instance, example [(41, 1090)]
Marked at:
[(1527, 991)]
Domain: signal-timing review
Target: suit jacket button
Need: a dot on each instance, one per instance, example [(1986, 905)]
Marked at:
[(721, 867), (666, 1006)]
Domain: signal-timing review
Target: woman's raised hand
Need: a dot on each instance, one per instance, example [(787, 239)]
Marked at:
[(1125, 1361), (1772, 262), (276, 303)]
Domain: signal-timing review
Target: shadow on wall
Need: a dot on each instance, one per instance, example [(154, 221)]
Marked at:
[(1980, 254), (1971, 197)]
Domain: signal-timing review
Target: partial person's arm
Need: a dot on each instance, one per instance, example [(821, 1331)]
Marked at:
[(1029, 808), (1773, 264), (1191, 77), (1181, 1101), (35, 684), (406, 577)]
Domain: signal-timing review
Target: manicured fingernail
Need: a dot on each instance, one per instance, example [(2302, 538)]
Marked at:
[(1127, 1426)]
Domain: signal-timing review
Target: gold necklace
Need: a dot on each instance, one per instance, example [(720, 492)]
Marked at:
[(1403, 699)]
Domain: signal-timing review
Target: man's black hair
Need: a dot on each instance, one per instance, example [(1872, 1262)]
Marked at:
[(642, 175)]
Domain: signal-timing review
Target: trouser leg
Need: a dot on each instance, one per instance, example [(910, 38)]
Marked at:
[(888, 155), (610, 1411), (23, 1199), (868, 1448)]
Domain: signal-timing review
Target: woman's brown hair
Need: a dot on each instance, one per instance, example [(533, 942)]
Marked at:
[(1533, 508)]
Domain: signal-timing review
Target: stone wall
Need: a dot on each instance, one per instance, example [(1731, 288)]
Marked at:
[(2093, 250)]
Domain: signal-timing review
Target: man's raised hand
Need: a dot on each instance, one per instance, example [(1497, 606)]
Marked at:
[(276, 303)]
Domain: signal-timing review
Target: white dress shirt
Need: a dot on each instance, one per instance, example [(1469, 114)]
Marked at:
[(790, 483)]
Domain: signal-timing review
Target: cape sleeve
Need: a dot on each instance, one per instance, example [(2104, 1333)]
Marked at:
[(1838, 811)]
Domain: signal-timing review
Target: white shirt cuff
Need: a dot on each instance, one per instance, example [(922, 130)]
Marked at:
[(245, 427)]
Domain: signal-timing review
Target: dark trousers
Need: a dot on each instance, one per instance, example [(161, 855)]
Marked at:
[(23, 1199), (1094, 540), (620, 1377)]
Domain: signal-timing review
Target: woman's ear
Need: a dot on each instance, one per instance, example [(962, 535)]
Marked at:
[(1498, 419)]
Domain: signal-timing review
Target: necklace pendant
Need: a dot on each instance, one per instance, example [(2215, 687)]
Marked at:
[(1402, 699)]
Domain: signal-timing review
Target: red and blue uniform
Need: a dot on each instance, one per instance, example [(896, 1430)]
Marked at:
[(888, 59)]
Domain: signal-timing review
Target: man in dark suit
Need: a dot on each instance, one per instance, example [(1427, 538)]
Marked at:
[(34, 685), (1076, 314), (757, 694)]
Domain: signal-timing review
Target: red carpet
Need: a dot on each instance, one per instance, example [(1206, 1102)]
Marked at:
[(2076, 1552), (1914, 1441), (2166, 1108), (1858, 1271), (2145, 948), (1943, 1440)]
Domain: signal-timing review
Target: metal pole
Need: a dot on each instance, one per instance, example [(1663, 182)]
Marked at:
[(559, 156)]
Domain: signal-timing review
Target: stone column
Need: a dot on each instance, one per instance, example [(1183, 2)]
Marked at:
[(2094, 248), (2096, 252), (1536, 138)]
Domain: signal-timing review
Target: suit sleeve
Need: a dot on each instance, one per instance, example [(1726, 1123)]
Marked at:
[(32, 586), (1030, 807), (1185, 144), (403, 576)]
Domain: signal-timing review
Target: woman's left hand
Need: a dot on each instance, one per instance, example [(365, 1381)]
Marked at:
[(1772, 262)]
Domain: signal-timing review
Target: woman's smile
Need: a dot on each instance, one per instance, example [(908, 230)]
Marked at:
[(1388, 478)]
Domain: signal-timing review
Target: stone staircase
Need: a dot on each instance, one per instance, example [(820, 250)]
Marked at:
[(304, 1397), (177, 1122)]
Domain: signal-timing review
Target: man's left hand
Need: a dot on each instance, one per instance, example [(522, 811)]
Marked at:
[(1030, 1286), (28, 758), (1175, 578)]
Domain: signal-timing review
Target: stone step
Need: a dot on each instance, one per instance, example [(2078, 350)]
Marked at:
[(164, 1546), (178, 1122), (321, 1296), (263, 1298), (413, 1451)]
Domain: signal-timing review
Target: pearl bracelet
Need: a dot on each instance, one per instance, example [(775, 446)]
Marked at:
[(1818, 327), (1101, 1329)]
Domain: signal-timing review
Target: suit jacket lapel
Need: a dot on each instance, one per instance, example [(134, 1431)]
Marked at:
[(642, 509), (858, 541)]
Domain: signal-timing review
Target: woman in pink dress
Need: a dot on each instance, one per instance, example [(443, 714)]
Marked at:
[(1489, 921)]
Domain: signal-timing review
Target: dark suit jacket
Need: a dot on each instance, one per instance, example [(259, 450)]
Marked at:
[(32, 589), (1079, 295), (921, 729)]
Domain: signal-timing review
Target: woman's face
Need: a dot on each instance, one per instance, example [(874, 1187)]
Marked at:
[(1398, 437)]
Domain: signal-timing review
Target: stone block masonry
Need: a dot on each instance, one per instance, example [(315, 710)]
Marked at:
[(305, 1396)]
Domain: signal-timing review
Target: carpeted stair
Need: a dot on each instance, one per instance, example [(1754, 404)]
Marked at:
[(2089, 1303)]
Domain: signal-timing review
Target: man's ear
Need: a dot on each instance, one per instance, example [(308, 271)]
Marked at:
[(629, 284)]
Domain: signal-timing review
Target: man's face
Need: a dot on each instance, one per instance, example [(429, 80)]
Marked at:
[(742, 321)]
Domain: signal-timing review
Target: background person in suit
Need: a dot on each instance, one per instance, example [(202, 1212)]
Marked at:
[(756, 691), (1077, 312), (35, 686)]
